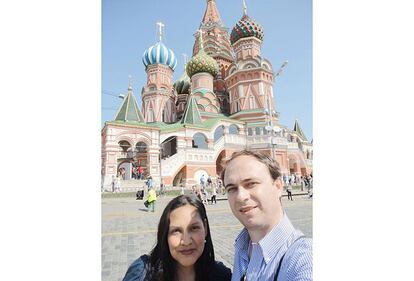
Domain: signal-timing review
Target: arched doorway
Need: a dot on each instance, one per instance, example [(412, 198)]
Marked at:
[(141, 157)]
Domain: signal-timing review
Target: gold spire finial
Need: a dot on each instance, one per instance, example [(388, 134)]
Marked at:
[(160, 30), (244, 8)]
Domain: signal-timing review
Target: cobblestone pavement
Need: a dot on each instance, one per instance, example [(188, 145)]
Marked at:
[(128, 231)]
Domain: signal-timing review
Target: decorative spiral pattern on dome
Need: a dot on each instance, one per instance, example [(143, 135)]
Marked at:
[(202, 63), (159, 54), (246, 27)]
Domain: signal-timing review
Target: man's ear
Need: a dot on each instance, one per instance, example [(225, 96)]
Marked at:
[(278, 184)]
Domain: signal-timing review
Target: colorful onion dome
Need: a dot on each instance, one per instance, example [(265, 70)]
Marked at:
[(159, 54), (246, 27), (182, 85), (202, 63)]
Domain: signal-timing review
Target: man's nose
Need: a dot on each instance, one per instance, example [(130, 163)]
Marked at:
[(242, 194)]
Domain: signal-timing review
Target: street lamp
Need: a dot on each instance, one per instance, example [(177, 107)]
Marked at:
[(272, 130)]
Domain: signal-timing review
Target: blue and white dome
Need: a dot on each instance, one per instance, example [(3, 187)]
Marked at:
[(159, 54)]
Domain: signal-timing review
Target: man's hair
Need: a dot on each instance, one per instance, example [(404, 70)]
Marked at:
[(270, 163)]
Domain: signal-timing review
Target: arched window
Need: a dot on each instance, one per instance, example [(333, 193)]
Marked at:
[(124, 145), (200, 141), (233, 129), (250, 131), (257, 130), (141, 147), (218, 133)]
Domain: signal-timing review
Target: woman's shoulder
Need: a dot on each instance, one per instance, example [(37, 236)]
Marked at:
[(137, 270), (221, 272)]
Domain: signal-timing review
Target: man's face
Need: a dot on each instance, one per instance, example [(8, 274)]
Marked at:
[(252, 193)]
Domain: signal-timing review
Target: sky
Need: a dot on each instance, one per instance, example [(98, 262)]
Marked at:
[(129, 28)]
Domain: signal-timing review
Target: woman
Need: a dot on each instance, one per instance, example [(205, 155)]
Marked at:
[(184, 250)]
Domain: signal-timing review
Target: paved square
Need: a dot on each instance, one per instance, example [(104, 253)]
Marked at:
[(128, 231)]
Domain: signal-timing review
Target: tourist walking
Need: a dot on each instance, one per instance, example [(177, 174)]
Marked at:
[(203, 181), (213, 195), (289, 191)]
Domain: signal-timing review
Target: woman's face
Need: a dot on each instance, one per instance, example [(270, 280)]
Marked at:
[(186, 235)]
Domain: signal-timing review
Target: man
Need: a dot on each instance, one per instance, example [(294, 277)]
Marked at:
[(202, 181), (269, 247)]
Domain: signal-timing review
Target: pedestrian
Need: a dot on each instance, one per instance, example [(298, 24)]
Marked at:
[(213, 195), (117, 185), (302, 183), (209, 181), (151, 199), (113, 183), (289, 191), (202, 181), (269, 247), (140, 172), (184, 248), (149, 182), (204, 195)]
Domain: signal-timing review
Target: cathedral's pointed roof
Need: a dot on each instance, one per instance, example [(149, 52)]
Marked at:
[(191, 115), (298, 130), (129, 110), (211, 15)]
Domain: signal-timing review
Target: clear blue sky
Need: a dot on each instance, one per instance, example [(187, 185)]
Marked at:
[(128, 28)]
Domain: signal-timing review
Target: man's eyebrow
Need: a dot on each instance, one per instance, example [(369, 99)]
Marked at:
[(242, 181)]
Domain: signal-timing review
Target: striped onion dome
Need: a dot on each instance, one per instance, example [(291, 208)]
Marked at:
[(246, 27), (159, 54)]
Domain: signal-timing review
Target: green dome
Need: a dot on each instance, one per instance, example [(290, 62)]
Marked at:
[(182, 84), (202, 63)]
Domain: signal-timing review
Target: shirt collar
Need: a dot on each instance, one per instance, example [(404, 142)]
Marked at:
[(242, 244), (276, 238), (271, 243)]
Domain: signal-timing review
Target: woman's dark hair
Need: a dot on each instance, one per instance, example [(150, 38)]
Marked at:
[(163, 266)]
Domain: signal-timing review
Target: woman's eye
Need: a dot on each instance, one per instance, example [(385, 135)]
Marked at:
[(196, 227)]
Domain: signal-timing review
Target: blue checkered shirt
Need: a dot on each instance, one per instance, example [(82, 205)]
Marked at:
[(267, 253)]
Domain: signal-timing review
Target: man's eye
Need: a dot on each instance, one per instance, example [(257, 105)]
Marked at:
[(230, 189)]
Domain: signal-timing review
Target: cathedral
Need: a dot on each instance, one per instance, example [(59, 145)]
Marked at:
[(223, 102)]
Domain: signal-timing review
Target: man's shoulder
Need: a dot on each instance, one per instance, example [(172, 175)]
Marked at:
[(297, 262)]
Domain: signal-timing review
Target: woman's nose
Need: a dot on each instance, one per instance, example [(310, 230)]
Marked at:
[(186, 239)]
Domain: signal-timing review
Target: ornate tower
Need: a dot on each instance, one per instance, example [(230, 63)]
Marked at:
[(158, 96), (202, 69), (216, 44), (250, 78)]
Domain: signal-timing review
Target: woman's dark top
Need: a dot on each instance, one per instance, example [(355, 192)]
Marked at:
[(137, 271)]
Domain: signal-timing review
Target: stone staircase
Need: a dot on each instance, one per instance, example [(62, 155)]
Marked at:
[(132, 185)]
